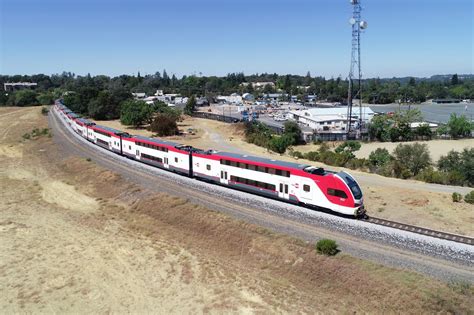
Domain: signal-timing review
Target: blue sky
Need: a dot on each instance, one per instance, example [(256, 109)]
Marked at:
[(215, 37)]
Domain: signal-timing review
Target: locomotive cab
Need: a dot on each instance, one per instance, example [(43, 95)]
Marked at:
[(356, 192)]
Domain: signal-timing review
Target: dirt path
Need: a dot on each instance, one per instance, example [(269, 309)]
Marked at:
[(77, 238)]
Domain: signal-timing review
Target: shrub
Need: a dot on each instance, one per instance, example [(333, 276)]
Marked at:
[(379, 157), (469, 198), (44, 110), (312, 156), (297, 155), (327, 247), (415, 157), (430, 175), (164, 125), (457, 197)]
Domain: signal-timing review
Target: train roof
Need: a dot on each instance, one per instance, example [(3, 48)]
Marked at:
[(85, 121), (115, 131), (157, 141), (263, 160)]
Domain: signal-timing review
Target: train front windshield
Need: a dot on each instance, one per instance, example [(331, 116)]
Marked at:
[(354, 187)]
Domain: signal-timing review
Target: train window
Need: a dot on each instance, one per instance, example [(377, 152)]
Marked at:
[(208, 167), (252, 167), (176, 159), (306, 188), (286, 189), (281, 188), (337, 193), (129, 147), (286, 173), (222, 173), (278, 172)]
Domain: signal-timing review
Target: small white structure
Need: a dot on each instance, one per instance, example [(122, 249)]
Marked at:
[(258, 85), (18, 85), (330, 119), (159, 93), (139, 96)]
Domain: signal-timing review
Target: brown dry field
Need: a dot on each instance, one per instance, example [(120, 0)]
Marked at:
[(77, 238), (388, 198)]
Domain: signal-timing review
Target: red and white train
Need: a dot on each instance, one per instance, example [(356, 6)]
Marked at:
[(291, 182)]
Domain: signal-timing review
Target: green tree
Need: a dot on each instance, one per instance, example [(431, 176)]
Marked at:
[(135, 113), (279, 144), (164, 125), (380, 157), (454, 79), (348, 148), (190, 106), (379, 128), (415, 156), (25, 98), (293, 130), (459, 126), (45, 98), (424, 131)]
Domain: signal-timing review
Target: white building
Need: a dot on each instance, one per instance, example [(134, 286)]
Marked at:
[(330, 119), (258, 85), (234, 98)]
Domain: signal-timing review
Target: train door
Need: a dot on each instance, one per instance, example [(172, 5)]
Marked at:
[(166, 163), (283, 191), (137, 154), (224, 177)]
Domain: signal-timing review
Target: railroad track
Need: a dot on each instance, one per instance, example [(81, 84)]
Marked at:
[(423, 231)]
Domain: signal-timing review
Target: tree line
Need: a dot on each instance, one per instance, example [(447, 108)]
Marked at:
[(88, 88)]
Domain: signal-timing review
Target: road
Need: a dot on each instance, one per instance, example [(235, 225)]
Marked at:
[(381, 245)]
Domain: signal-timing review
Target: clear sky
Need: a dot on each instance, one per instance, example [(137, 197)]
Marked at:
[(215, 37)]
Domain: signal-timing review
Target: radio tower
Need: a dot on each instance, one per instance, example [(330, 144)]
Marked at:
[(357, 26)]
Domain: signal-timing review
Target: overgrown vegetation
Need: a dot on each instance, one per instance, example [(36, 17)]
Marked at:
[(44, 111), (327, 247)]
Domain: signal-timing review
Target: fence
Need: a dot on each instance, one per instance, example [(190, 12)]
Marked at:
[(227, 119)]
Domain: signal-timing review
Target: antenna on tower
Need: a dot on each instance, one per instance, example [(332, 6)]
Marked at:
[(357, 26)]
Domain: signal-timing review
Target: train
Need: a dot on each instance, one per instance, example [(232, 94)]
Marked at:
[(300, 184)]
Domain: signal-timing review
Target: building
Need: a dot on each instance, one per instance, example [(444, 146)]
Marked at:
[(18, 86), (259, 85), (331, 120), (234, 98)]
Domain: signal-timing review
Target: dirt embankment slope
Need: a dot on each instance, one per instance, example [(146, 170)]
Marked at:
[(400, 200), (77, 238)]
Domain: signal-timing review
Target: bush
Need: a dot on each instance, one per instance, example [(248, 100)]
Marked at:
[(312, 156), (379, 157), (430, 175), (327, 247), (457, 197), (469, 198), (415, 157), (44, 110), (164, 125)]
